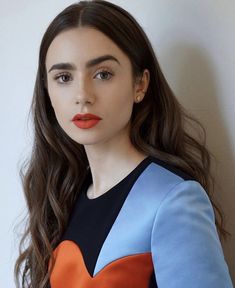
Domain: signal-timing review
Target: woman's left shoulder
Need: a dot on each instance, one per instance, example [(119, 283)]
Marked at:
[(159, 179)]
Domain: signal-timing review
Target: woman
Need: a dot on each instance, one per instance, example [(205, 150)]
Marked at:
[(119, 194)]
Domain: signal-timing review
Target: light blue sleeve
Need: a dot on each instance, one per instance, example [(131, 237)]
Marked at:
[(185, 246)]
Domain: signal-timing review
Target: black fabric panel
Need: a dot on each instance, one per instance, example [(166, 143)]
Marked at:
[(92, 219), (153, 282)]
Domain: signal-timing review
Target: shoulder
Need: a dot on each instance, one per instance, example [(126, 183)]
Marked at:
[(168, 192), (160, 179), (168, 169)]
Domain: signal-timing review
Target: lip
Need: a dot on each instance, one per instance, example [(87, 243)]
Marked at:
[(87, 115), (86, 124), (90, 121)]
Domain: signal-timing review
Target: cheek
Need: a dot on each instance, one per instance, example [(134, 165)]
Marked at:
[(56, 98), (120, 107)]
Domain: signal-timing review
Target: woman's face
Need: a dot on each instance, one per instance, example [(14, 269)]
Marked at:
[(104, 89)]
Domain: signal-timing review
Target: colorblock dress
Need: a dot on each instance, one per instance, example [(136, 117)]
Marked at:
[(155, 228)]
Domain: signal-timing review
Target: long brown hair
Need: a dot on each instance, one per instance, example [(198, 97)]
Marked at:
[(57, 167)]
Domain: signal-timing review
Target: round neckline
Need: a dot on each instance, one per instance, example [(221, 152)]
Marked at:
[(109, 191)]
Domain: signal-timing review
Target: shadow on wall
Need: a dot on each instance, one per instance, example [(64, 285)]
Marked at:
[(192, 76)]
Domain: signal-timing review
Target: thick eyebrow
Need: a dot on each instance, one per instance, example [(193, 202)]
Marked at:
[(89, 64)]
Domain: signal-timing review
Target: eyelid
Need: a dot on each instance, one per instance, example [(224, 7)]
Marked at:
[(62, 73), (97, 69), (104, 70)]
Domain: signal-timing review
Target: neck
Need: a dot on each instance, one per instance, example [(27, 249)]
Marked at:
[(109, 164)]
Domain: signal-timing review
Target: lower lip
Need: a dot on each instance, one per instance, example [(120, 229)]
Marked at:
[(86, 124)]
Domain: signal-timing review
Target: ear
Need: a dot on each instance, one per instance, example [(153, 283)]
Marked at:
[(141, 86)]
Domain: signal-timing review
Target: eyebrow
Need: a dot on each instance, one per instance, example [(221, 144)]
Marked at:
[(89, 64)]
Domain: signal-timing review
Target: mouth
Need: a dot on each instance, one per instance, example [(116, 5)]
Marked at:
[(85, 117), (86, 124)]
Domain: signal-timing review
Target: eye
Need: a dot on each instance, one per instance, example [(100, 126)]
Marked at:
[(105, 73), (63, 76)]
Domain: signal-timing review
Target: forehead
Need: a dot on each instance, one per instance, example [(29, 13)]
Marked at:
[(80, 45)]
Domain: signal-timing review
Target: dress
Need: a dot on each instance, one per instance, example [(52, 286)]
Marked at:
[(155, 228)]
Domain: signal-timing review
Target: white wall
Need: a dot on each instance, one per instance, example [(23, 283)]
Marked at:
[(195, 45)]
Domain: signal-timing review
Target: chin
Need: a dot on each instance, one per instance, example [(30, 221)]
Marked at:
[(87, 140)]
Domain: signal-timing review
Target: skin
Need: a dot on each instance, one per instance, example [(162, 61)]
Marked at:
[(110, 153)]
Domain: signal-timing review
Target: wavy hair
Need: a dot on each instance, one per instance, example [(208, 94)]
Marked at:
[(57, 167)]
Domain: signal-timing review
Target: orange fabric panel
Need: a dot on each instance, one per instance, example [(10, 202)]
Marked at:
[(70, 270)]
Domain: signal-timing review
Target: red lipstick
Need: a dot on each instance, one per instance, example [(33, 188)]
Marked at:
[(86, 121)]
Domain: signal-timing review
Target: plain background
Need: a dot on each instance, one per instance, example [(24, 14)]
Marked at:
[(195, 46)]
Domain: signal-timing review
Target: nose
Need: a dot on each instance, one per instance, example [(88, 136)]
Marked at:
[(84, 93), (82, 101)]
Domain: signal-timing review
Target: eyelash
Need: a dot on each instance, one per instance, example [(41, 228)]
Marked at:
[(68, 74)]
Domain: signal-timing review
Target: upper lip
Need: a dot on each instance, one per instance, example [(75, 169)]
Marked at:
[(86, 116)]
